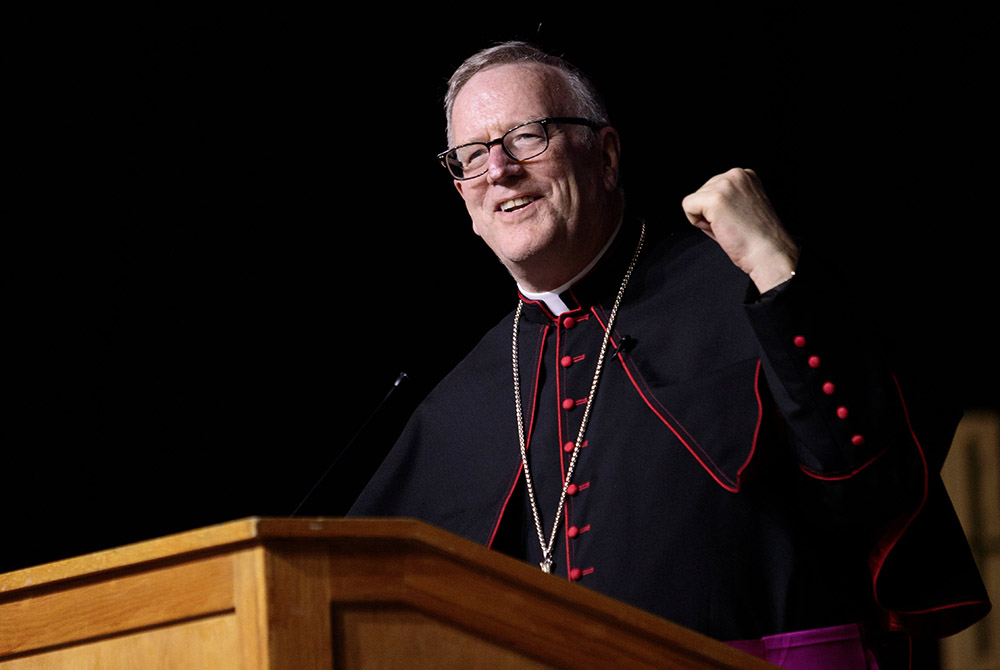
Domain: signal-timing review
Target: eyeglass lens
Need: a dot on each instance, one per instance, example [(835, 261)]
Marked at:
[(520, 143)]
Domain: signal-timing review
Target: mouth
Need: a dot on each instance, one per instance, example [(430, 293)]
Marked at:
[(516, 203)]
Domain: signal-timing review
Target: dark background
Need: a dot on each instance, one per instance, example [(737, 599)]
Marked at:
[(226, 233)]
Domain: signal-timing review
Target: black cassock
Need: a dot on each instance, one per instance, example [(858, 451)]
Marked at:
[(751, 464)]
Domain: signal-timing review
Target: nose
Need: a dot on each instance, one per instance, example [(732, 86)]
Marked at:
[(501, 166)]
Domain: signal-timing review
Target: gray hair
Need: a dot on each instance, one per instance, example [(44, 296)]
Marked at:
[(583, 94)]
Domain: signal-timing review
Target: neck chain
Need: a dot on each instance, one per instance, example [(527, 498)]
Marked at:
[(546, 564)]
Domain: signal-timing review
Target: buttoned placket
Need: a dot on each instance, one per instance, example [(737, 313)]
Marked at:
[(576, 365)]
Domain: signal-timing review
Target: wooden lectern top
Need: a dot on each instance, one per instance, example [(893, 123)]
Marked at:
[(298, 594)]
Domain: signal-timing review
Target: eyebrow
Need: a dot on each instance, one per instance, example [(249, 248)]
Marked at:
[(504, 132)]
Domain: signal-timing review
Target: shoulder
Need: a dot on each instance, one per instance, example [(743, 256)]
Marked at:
[(479, 377), (690, 252), (687, 270)]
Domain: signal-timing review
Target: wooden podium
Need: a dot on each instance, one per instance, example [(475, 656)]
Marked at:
[(301, 594)]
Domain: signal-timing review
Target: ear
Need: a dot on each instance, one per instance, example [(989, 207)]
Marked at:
[(610, 146)]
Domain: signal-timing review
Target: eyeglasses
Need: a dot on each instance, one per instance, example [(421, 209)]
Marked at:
[(521, 143)]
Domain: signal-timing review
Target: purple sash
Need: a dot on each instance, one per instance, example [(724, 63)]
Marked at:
[(840, 647)]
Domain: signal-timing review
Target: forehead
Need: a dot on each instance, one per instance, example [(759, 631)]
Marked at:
[(501, 97)]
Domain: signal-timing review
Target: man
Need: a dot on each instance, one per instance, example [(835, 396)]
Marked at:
[(688, 423)]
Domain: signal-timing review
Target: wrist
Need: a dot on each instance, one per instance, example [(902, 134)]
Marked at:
[(775, 268)]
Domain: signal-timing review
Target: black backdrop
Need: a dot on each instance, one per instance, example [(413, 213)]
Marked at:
[(227, 234)]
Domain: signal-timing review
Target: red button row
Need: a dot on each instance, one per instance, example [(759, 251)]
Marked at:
[(828, 387), (574, 532)]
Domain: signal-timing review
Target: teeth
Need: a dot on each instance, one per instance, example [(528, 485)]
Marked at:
[(516, 202)]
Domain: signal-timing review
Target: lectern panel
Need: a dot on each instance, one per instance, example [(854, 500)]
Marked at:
[(388, 638), (206, 643)]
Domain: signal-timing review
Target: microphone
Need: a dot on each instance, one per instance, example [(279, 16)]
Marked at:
[(625, 345), (399, 380)]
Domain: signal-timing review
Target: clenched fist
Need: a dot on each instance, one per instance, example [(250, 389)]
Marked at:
[(733, 209)]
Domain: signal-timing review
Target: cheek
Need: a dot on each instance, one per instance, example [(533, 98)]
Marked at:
[(573, 185), (569, 197), (473, 205)]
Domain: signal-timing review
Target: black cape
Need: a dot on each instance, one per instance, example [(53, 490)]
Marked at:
[(751, 465)]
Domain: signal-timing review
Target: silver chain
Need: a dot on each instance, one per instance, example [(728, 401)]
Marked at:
[(546, 564)]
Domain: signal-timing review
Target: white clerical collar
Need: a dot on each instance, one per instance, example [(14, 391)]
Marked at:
[(551, 298)]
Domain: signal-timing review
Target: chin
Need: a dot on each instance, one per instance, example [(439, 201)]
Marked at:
[(524, 251)]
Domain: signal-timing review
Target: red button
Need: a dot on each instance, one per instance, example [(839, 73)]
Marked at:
[(569, 446), (572, 489), (568, 403), (799, 341), (829, 388), (566, 361), (814, 361), (842, 412), (573, 531), (575, 574), (569, 322), (858, 440)]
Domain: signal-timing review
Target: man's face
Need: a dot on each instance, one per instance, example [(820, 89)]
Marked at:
[(547, 217)]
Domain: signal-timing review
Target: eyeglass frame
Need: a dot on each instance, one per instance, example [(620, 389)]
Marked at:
[(545, 121)]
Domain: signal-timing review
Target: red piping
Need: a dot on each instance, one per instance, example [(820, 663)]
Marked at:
[(881, 552), (847, 475), (713, 470), (527, 438)]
